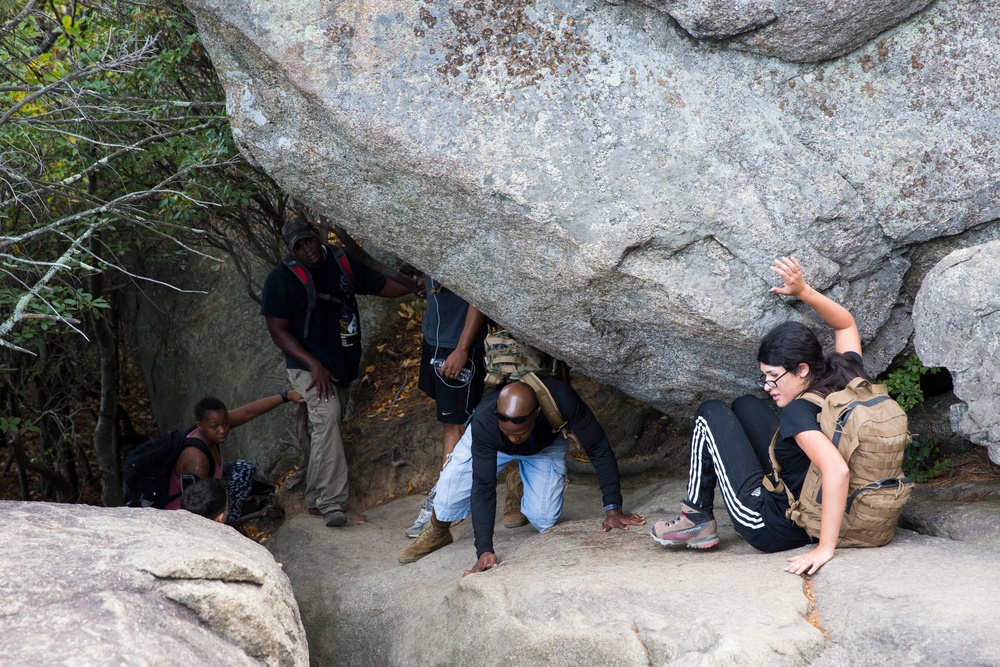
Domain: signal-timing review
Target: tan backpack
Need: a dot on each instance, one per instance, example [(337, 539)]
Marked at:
[(550, 409), (869, 429), (508, 359)]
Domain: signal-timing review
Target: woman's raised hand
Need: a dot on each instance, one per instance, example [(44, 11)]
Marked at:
[(788, 270)]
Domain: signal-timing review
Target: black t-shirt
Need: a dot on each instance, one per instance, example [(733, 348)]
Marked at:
[(488, 439), (797, 417), (334, 335)]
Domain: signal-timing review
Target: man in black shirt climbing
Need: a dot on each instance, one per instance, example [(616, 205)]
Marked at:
[(510, 425)]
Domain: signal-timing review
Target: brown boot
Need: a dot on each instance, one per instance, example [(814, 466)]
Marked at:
[(512, 517), (437, 534)]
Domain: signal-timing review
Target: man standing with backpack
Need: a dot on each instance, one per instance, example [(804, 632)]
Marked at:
[(312, 316)]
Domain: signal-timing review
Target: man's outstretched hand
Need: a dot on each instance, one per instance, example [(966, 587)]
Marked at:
[(487, 561), (619, 519)]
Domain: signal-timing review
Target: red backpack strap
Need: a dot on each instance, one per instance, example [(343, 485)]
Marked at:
[(300, 272), (344, 264)]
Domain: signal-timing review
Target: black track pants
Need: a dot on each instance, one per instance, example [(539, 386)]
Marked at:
[(729, 449)]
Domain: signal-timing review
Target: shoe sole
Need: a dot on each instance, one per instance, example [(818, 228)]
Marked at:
[(700, 543)]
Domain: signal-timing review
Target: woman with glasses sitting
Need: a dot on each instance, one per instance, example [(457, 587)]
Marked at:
[(729, 444)]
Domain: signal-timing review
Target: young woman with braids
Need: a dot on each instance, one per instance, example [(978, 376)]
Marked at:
[(729, 444)]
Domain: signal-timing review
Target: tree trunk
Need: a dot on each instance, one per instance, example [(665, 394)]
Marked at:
[(106, 432)]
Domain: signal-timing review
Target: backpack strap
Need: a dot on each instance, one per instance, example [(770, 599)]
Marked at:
[(201, 446), (344, 264), (549, 407), (300, 272), (778, 485)]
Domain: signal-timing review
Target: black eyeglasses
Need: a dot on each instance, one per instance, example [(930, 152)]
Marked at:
[(766, 384), (514, 420)]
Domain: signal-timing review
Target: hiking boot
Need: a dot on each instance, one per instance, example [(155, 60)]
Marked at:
[(436, 535), (512, 517), (692, 528)]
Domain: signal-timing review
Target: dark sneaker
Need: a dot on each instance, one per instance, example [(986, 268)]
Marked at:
[(692, 529), (314, 512), (335, 518), (512, 517)]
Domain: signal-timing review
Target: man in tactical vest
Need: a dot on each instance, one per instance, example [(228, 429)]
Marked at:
[(312, 315), (509, 425)]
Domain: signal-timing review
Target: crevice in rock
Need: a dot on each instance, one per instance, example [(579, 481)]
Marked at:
[(638, 637), (812, 610)]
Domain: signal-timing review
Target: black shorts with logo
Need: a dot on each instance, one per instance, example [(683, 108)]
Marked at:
[(455, 399)]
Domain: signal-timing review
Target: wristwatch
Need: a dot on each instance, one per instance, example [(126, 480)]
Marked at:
[(284, 396)]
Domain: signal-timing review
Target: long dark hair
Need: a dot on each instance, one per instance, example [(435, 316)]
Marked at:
[(792, 343)]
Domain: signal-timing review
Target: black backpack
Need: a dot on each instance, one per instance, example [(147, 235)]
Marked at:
[(146, 474)]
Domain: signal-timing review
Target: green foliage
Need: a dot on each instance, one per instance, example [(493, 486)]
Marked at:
[(903, 383), (115, 138), (114, 147), (16, 424), (922, 461)]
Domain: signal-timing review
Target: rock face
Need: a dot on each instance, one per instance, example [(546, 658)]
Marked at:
[(575, 595), (956, 317), (92, 586), (212, 341), (594, 179), (803, 31)]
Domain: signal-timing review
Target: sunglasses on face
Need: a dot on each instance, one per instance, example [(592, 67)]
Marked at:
[(514, 420)]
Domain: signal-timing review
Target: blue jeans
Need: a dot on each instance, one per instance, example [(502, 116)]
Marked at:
[(543, 475)]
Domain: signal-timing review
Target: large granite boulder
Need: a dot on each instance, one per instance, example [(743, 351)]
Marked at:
[(609, 188), (956, 317), (802, 31), (576, 596), (91, 587)]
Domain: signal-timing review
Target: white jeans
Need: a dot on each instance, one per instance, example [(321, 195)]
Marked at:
[(543, 475)]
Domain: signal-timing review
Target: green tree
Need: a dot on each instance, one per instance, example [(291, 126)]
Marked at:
[(113, 142)]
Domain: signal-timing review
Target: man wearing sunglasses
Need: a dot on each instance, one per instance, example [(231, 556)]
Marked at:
[(509, 425)]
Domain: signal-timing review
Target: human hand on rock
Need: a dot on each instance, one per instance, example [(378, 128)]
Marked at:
[(789, 270), (619, 519), (810, 562), (487, 561)]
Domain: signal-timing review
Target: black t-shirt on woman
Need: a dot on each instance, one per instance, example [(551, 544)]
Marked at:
[(797, 417)]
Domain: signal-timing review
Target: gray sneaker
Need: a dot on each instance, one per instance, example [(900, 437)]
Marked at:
[(424, 517), (418, 526), (692, 529)]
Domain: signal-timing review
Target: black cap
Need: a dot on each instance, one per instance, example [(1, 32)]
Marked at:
[(296, 229)]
